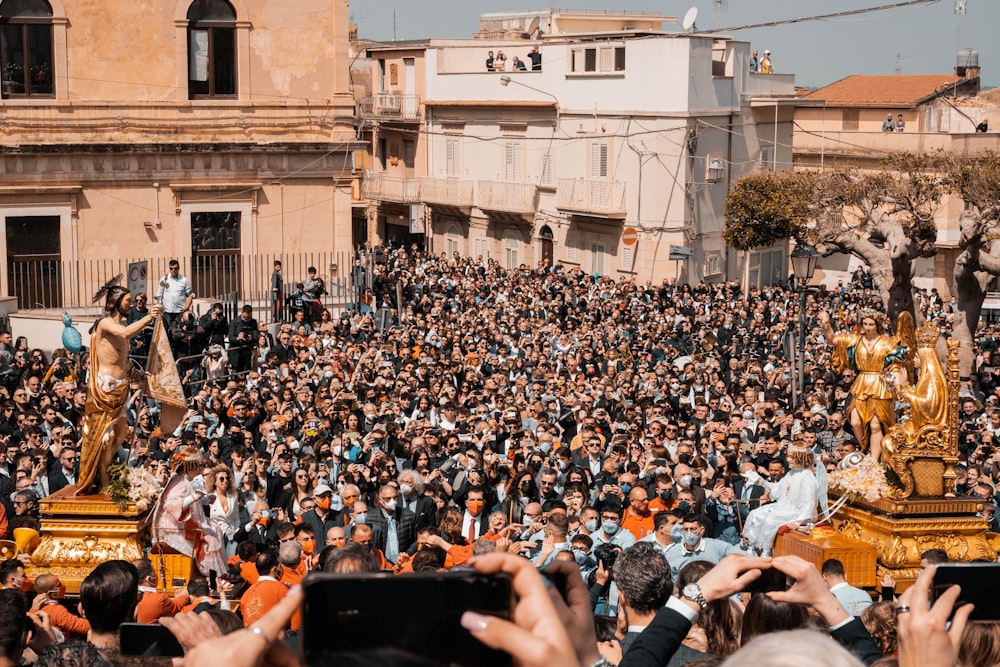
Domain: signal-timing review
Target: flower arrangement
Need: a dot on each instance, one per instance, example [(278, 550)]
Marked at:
[(132, 485), (865, 480)]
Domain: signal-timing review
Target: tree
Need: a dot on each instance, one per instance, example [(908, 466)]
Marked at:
[(977, 181), (885, 218)]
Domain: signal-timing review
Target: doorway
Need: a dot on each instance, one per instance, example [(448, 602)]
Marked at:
[(33, 261), (548, 246), (215, 253)]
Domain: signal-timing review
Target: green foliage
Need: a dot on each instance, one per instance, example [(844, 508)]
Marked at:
[(118, 485), (765, 207)]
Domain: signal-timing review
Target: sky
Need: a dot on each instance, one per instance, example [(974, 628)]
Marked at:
[(920, 39)]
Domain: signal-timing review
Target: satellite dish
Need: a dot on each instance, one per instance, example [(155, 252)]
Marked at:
[(689, 18), (533, 26)]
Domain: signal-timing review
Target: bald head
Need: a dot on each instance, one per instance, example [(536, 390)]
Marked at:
[(46, 583), (336, 537)]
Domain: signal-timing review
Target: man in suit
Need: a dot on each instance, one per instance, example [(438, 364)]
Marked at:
[(261, 530), (411, 492), (322, 517), (749, 494), (393, 527), (644, 586), (63, 472), (474, 520)]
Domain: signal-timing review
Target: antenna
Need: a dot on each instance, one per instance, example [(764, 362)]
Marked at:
[(689, 19), (533, 26), (900, 58)]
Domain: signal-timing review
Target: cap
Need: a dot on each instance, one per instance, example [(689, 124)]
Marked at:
[(321, 489), (767, 52)]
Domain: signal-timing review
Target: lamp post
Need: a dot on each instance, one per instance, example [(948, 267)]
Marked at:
[(804, 259), (505, 81)]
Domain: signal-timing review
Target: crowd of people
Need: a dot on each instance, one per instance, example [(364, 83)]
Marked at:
[(521, 420)]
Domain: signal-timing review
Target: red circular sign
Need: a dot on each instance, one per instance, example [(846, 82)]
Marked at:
[(630, 236)]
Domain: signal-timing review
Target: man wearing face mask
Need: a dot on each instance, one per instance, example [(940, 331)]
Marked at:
[(323, 516), (610, 530), (393, 526), (695, 546), (411, 496), (667, 530), (686, 482), (638, 517), (474, 522)]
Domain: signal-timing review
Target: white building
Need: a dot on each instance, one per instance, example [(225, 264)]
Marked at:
[(622, 146)]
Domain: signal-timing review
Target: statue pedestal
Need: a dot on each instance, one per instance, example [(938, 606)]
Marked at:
[(900, 530), (80, 533)]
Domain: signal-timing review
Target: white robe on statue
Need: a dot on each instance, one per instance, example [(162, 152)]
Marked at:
[(795, 496), (179, 505)]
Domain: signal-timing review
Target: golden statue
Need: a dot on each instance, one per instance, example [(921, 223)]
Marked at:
[(104, 427), (878, 358)]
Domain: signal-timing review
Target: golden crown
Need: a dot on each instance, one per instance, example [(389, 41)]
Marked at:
[(927, 335)]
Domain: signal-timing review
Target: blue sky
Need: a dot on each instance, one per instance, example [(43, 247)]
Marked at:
[(926, 37)]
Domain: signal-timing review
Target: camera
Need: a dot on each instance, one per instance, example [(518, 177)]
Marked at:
[(606, 554), (268, 514)]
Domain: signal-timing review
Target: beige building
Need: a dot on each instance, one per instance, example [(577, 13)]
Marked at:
[(619, 148), (841, 126), (220, 132)]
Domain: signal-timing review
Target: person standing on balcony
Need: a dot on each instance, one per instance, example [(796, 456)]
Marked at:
[(500, 62), (489, 61), (900, 123), (754, 62), (765, 63), (889, 125), (175, 295), (535, 56)]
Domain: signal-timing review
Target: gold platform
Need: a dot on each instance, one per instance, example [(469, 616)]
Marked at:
[(901, 530), (80, 533)]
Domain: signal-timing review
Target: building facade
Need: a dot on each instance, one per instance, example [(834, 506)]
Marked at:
[(621, 146), (220, 132)]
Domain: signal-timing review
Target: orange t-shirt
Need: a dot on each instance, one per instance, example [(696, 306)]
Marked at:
[(261, 598), (249, 572), (65, 620), (293, 577), (638, 524), (154, 605)]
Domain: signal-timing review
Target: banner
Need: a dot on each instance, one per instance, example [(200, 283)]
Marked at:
[(163, 382)]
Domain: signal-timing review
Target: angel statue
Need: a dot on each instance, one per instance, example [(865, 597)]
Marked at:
[(877, 358)]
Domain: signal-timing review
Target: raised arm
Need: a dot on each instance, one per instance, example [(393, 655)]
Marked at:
[(129, 331)]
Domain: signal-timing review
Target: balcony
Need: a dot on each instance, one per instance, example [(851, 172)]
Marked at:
[(448, 192), (390, 106), (507, 197), (598, 199), (377, 187)]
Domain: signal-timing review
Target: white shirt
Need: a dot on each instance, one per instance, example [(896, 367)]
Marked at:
[(469, 519)]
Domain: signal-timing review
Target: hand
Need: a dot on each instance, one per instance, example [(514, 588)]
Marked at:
[(191, 629), (888, 581), (809, 588), (924, 636), (601, 576), (575, 612), (155, 311), (43, 636), (39, 601), (537, 636), (730, 576), (245, 648)]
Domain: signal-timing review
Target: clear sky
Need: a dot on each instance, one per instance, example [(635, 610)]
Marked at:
[(926, 37)]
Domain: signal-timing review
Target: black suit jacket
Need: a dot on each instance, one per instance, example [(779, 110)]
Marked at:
[(658, 642), (406, 529), (756, 491), (855, 638), (57, 480), (425, 513)]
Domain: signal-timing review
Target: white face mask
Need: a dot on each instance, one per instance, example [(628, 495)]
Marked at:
[(405, 489), (390, 506), (338, 450)]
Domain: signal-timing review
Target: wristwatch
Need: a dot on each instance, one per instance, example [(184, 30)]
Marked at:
[(693, 592)]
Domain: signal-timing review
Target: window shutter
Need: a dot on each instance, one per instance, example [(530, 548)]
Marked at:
[(599, 160), (512, 162), (451, 150), (547, 169)]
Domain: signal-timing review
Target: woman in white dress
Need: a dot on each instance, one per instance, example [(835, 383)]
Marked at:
[(225, 509), (796, 496)]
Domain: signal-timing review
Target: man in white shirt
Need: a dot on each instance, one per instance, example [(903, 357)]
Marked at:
[(665, 526), (474, 523), (853, 599), (175, 293)]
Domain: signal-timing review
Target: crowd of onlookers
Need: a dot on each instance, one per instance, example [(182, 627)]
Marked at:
[(583, 423)]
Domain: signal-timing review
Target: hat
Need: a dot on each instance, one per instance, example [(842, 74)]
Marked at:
[(767, 52), (321, 489)]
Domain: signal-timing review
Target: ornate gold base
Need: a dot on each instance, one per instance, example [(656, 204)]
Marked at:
[(902, 530), (80, 533)]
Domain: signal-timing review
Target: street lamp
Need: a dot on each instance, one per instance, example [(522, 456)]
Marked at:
[(505, 81), (804, 259)]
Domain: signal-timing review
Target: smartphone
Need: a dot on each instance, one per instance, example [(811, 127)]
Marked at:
[(980, 584), (770, 580), (148, 640), (345, 616)]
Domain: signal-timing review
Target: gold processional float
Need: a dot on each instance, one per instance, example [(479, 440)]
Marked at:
[(920, 511)]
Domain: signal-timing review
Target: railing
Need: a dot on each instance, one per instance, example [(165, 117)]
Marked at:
[(598, 198), (391, 106), (234, 279), (448, 191), (507, 197), (385, 188)]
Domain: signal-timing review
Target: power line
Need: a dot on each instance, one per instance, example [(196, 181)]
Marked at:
[(822, 17)]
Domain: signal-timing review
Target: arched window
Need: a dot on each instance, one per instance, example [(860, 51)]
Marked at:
[(453, 239), (26, 48), (211, 49), (511, 245)]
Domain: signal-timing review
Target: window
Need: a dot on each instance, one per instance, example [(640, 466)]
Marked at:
[(713, 264), (546, 169), (452, 240), (851, 118), (33, 260), (211, 49), (599, 159), (628, 257), (511, 245), (597, 251), (512, 161), (598, 59), (215, 252), (381, 75), (452, 158), (482, 248), (26, 48)]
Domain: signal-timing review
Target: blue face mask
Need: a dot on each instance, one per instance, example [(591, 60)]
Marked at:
[(610, 527), (591, 525), (545, 447), (626, 488), (690, 539), (361, 519), (580, 557), (676, 532)]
